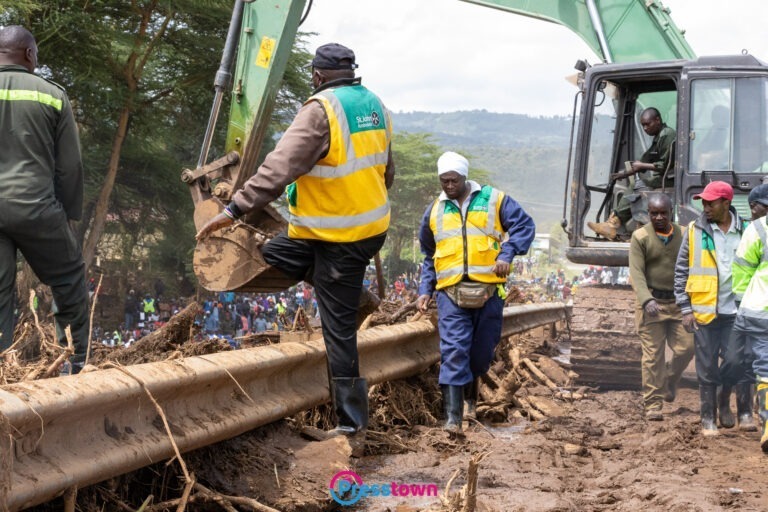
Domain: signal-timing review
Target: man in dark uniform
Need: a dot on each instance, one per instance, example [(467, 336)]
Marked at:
[(335, 164), (652, 166), (42, 190)]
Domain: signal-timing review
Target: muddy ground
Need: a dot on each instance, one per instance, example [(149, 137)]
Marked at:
[(596, 453), (593, 453)]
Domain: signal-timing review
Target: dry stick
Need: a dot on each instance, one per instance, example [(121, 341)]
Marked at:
[(90, 323), (32, 295), (245, 502), (64, 355), (187, 488), (539, 375), (446, 498), (216, 497), (277, 478), (146, 503), (70, 498), (107, 495), (470, 496), (187, 477)]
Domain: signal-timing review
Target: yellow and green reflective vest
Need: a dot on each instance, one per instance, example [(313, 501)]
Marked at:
[(467, 246), (702, 285), (344, 197), (702, 281)]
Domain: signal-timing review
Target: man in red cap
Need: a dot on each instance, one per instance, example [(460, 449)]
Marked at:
[(703, 290)]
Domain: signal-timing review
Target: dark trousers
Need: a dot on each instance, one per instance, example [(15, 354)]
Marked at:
[(336, 270), (40, 231), (719, 339)]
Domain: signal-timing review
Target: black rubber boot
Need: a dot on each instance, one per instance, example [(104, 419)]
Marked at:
[(453, 406), (762, 412), (471, 392), (724, 412), (350, 401), (744, 400), (707, 395)]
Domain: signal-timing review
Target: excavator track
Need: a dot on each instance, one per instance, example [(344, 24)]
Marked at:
[(606, 349)]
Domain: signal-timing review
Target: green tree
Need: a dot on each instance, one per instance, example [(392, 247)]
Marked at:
[(139, 74)]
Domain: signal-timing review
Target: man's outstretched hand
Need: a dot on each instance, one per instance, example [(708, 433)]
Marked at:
[(216, 223)]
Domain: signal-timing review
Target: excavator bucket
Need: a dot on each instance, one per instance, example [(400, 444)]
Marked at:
[(231, 259)]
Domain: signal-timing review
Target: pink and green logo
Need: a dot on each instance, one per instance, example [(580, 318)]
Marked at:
[(347, 488)]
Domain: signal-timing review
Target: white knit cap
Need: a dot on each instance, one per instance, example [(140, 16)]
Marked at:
[(450, 161)]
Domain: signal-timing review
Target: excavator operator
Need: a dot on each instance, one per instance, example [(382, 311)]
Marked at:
[(336, 162), (653, 164)]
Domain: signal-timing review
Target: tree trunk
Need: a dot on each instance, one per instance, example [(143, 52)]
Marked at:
[(82, 226), (102, 204)]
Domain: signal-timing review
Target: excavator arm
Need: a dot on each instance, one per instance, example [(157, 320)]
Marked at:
[(616, 30), (259, 41)]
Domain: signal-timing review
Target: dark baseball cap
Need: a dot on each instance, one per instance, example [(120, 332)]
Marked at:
[(759, 194), (716, 190), (334, 56)]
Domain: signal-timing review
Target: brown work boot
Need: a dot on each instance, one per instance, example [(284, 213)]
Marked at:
[(607, 229)]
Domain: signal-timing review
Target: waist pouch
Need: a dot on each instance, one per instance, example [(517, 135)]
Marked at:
[(469, 294)]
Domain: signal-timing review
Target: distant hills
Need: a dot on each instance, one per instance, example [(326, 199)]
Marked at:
[(526, 156)]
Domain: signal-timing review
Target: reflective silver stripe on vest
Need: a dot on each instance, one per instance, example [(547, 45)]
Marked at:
[(754, 313), (478, 269), (444, 235), (493, 201), (451, 272), (698, 308), (350, 167), (763, 239), (353, 163), (745, 263), (342, 221), (440, 235)]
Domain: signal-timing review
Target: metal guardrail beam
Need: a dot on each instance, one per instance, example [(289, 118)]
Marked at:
[(83, 429)]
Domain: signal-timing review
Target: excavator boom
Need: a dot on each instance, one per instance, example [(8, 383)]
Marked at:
[(616, 30)]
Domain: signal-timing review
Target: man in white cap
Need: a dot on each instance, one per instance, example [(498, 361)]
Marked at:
[(468, 236)]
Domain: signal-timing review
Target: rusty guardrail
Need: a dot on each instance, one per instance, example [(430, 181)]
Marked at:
[(80, 430)]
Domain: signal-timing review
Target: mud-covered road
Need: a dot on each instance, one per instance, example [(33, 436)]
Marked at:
[(594, 453)]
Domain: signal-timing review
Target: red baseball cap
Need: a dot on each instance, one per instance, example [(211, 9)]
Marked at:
[(716, 190)]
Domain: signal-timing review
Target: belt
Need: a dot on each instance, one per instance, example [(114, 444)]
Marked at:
[(663, 294)]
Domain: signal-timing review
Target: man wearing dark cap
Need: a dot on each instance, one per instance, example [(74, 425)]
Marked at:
[(42, 176), (758, 201), (335, 164), (750, 284), (703, 290)]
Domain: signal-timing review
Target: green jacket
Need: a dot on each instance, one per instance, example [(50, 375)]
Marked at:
[(39, 147), (750, 271), (659, 153)]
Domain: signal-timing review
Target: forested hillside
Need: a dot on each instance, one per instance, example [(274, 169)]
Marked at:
[(525, 156)]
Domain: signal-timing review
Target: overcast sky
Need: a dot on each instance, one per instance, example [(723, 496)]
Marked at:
[(447, 55)]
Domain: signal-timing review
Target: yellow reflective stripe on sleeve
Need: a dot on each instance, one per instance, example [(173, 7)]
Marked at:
[(39, 97)]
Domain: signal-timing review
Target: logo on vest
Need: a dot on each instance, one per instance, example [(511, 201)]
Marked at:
[(368, 121)]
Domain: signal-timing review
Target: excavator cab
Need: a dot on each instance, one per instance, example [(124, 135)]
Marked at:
[(719, 109)]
